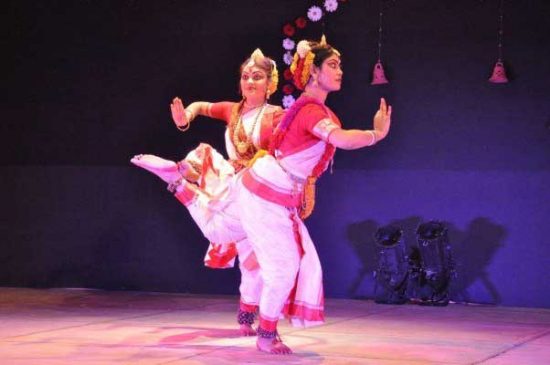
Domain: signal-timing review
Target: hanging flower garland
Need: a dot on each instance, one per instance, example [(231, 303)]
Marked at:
[(288, 44), (287, 58), (288, 100), (331, 5), (291, 29), (315, 13)]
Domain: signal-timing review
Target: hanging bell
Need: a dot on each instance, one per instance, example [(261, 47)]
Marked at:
[(499, 74), (378, 76)]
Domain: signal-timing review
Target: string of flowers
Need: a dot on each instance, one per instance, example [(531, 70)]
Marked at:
[(290, 31)]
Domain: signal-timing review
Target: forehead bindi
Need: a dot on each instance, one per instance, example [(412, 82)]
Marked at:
[(253, 70)]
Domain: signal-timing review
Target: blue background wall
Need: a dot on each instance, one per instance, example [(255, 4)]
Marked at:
[(89, 83)]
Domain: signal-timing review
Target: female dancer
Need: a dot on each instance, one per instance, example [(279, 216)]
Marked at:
[(279, 189), (204, 181)]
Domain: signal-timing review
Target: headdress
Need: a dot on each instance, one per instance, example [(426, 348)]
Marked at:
[(303, 59), (257, 58)]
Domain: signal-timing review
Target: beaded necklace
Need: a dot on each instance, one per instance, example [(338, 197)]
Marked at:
[(243, 143)]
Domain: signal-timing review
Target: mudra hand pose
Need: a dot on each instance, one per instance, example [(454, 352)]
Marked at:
[(276, 193), (204, 181)]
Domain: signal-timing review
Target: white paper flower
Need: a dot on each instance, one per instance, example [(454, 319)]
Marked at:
[(288, 100), (303, 48), (287, 58), (314, 13), (288, 44), (331, 5)]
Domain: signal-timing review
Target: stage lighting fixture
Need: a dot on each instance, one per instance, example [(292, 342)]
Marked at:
[(391, 277), (436, 264)]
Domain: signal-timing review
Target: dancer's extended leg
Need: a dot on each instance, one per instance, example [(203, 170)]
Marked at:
[(168, 171)]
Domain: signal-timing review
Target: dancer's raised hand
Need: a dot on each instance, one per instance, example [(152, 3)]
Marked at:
[(179, 115), (382, 120)]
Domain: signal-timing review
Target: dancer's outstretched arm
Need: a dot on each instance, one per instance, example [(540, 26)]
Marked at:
[(351, 139), (183, 116)]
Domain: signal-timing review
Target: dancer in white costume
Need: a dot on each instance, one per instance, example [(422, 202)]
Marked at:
[(204, 182), (279, 188)]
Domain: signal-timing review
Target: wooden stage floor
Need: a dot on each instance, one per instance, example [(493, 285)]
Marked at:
[(68, 326)]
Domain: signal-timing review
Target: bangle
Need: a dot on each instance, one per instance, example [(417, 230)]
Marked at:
[(373, 134), (191, 116)]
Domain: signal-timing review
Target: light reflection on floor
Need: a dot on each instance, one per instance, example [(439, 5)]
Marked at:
[(64, 326)]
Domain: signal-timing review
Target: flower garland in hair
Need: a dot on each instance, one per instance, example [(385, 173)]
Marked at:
[(301, 64), (272, 87)]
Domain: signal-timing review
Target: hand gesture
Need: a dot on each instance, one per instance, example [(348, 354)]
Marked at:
[(382, 120), (178, 113)]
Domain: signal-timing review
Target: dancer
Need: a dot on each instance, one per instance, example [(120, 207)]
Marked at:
[(204, 181), (279, 188)]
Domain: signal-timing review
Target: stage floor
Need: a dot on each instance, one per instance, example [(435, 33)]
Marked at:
[(68, 326)]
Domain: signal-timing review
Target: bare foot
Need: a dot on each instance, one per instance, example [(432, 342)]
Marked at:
[(272, 346), (165, 169), (247, 330)]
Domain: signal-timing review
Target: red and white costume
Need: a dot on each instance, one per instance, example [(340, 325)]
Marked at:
[(212, 202), (269, 197)]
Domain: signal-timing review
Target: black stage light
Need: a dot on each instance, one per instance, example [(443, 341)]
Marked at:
[(391, 277), (433, 278)]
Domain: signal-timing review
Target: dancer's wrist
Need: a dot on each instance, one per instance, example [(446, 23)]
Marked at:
[(374, 137), (190, 115)]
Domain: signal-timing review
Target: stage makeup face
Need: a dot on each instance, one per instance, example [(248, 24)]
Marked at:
[(330, 74), (254, 84)]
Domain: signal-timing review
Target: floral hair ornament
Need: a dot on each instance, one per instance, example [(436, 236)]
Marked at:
[(301, 64), (303, 60), (274, 81), (256, 58)]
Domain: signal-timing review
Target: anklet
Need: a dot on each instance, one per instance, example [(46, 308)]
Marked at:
[(174, 185), (245, 317), (266, 334)]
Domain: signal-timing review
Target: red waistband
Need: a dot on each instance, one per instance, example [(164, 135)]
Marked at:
[(268, 193)]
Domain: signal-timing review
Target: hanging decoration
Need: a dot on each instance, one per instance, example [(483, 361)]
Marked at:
[(331, 5), (288, 100), (288, 44), (315, 13), (287, 58), (499, 72), (291, 30), (378, 75)]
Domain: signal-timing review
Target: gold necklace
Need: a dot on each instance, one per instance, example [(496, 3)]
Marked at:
[(242, 146)]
